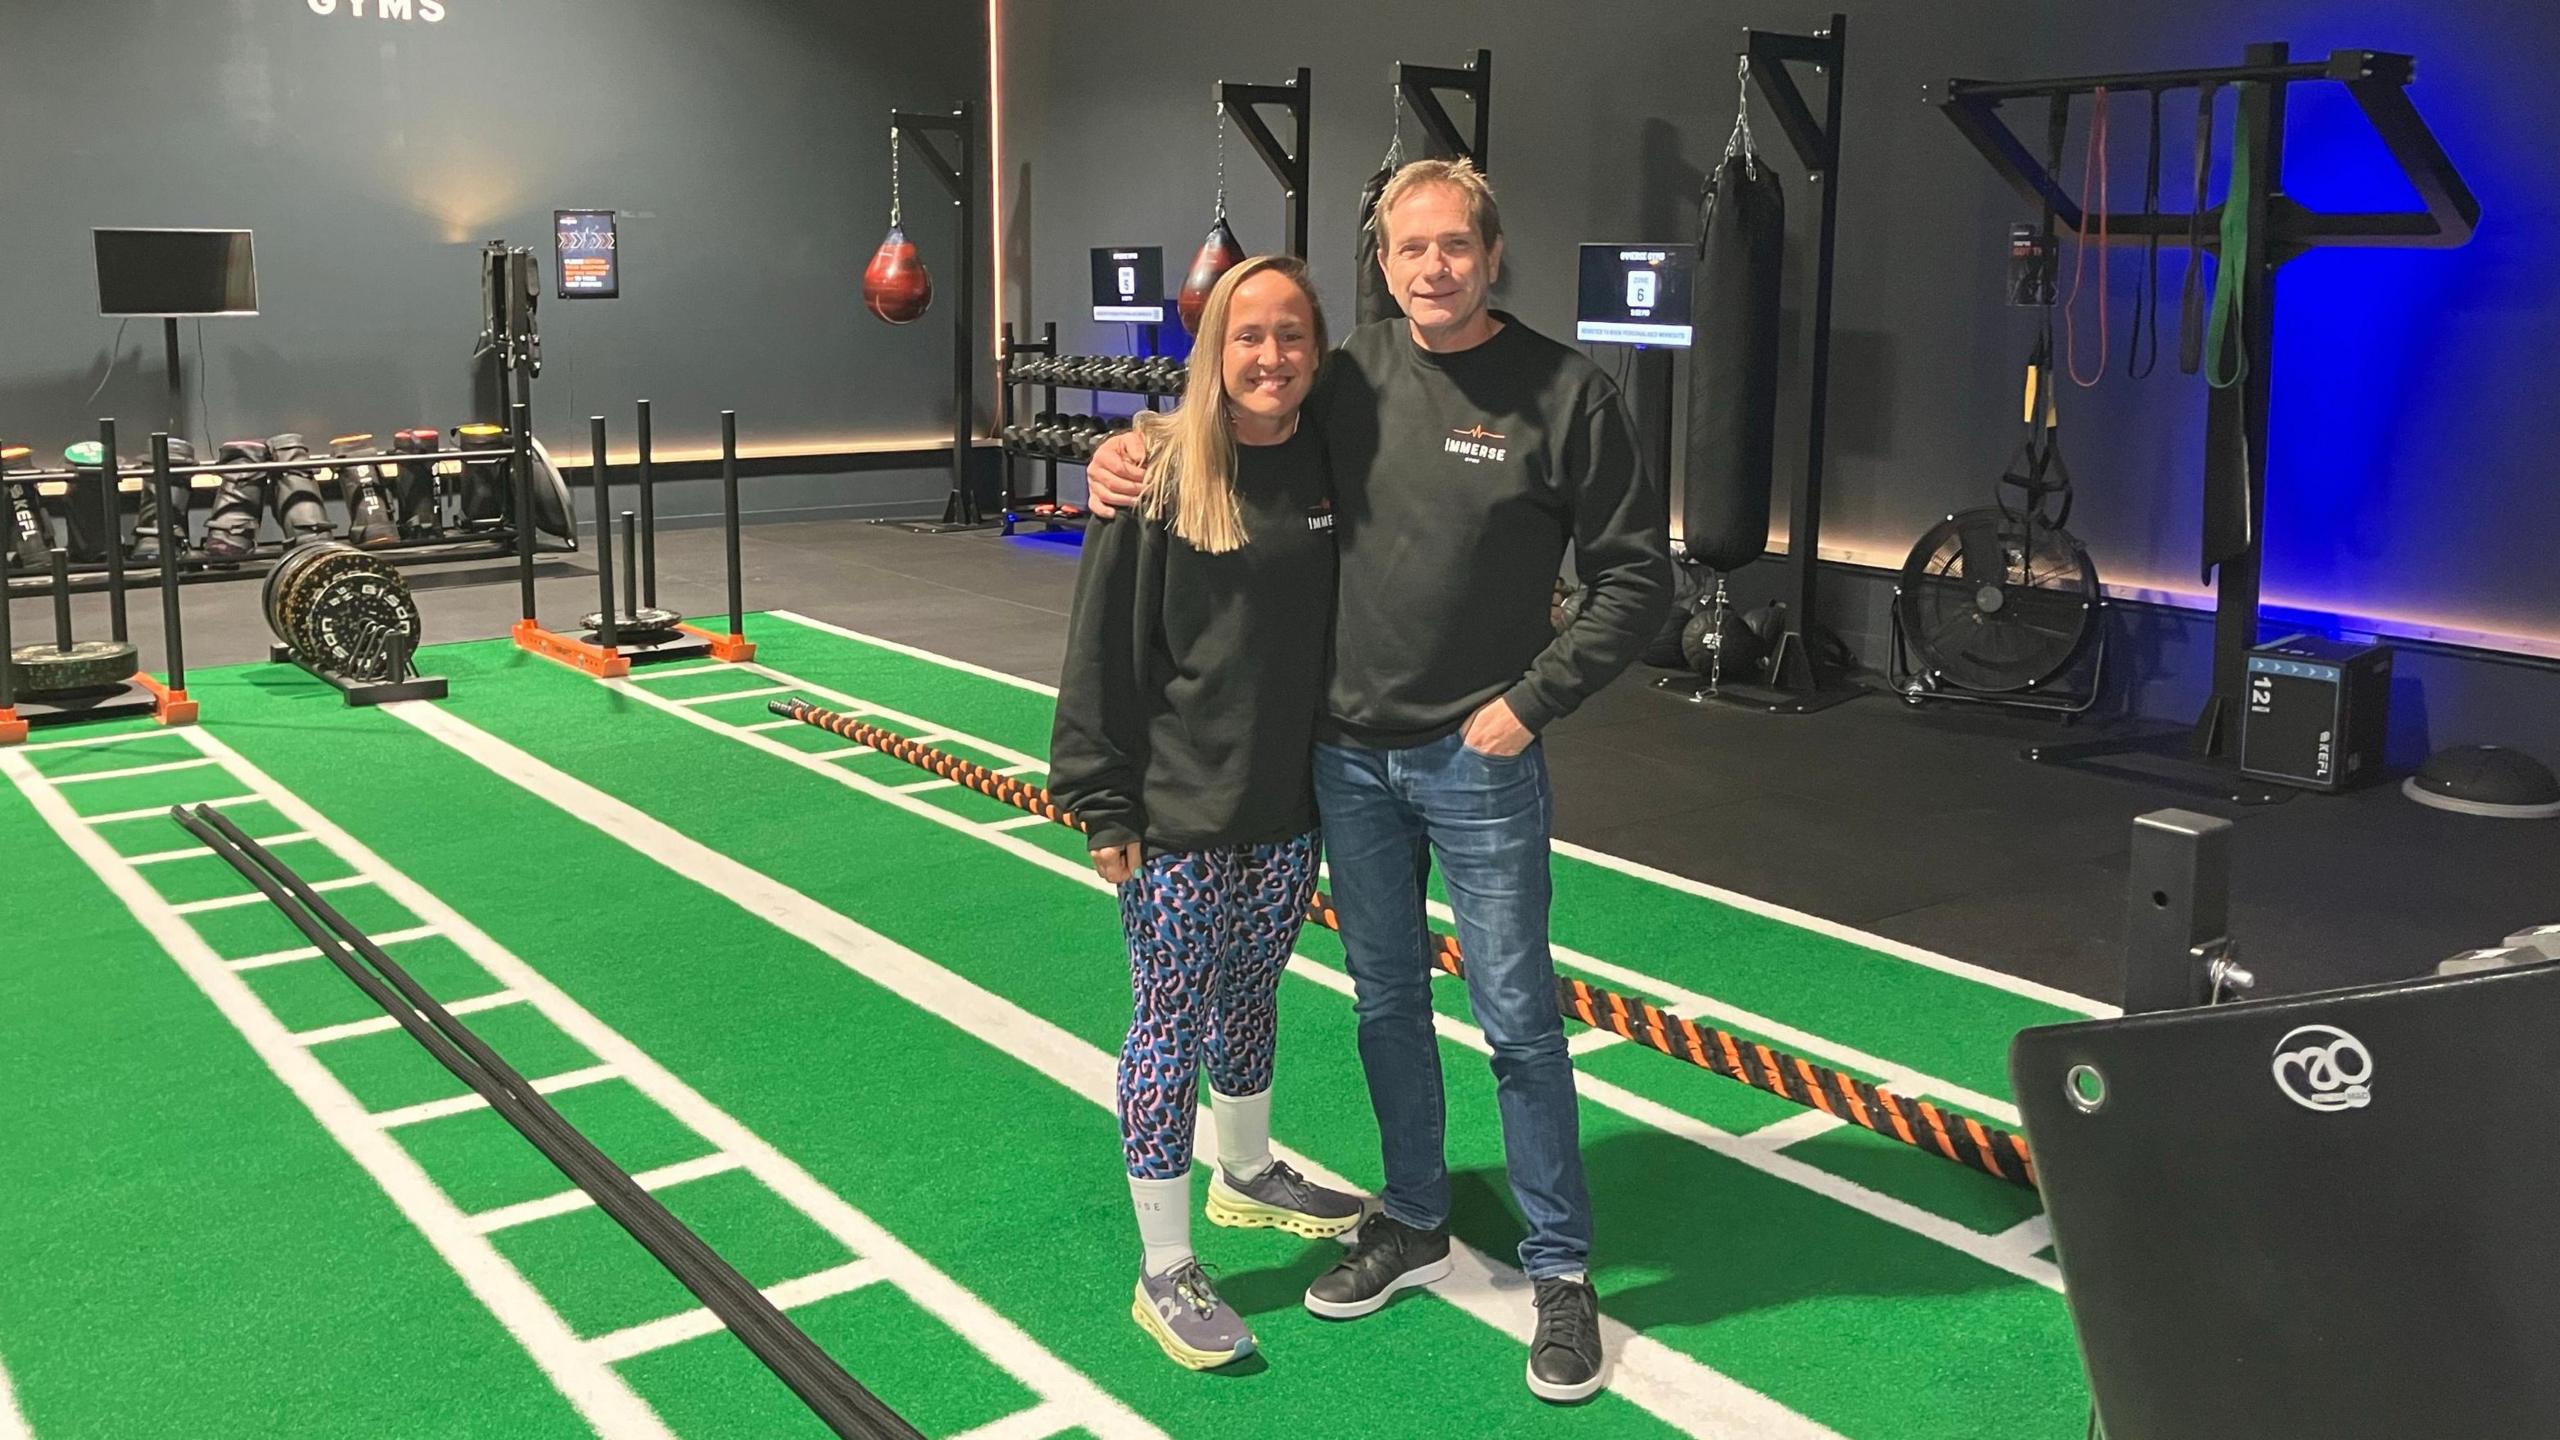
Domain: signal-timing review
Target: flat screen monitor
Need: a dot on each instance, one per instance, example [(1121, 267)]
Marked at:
[(156, 273), (589, 263), (1634, 294), (1128, 284)]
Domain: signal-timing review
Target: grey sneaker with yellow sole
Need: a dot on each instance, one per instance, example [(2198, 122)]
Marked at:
[(1181, 1311), (1281, 1199)]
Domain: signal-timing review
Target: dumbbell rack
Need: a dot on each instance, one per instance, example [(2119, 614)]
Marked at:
[(1045, 509)]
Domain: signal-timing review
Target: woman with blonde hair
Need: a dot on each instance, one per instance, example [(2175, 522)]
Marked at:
[(1196, 667)]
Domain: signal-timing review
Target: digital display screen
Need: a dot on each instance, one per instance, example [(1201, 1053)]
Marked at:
[(176, 272), (582, 240), (1128, 284), (1634, 294)]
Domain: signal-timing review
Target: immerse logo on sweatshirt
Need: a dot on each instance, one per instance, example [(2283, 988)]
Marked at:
[(1470, 443)]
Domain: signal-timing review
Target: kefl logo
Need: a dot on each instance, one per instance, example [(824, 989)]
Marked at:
[(2323, 1068)]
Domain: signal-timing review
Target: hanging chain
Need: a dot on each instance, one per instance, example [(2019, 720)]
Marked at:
[(894, 204), (1395, 127), (1740, 142), (1222, 162)]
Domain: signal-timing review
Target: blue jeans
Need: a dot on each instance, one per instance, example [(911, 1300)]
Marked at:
[(1386, 814)]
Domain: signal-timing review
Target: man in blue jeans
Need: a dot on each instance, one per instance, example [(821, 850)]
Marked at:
[(1467, 450)]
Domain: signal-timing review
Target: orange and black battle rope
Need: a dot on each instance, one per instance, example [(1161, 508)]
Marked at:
[(1916, 1123)]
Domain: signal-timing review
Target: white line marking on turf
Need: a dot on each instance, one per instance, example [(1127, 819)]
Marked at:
[(2029, 1235), (1024, 822), (649, 672), (598, 1394), (570, 1202), (1590, 1040), (2061, 999), (312, 952), (234, 902), (1858, 1197), (13, 1422), (1037, 1423), (1676, 1388), (921, 786), (1016, 681), (996, 1337), (770, 725), (464, 1104), (733, 695), (381, 1023), (162, 811), (676, 1329), (838, 754), (93, 741), (130, 771), (290, 837), (1778, 1135)]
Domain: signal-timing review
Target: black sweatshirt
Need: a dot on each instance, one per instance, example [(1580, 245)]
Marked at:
[(1459, 479), (1187, 713)]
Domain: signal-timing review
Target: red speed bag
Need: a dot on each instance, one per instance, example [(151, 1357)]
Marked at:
[(895, 286), (1218, 254)]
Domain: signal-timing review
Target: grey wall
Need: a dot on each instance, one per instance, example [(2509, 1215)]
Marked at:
[(1605, 115), (744, 142)]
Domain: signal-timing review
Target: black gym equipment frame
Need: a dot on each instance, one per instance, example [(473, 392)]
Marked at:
[(1797, 682), (958, 173), (2236, 427), (1420, 85), (1238, 100)]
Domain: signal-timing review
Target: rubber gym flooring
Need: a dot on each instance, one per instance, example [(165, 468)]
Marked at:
[(857, 1028)]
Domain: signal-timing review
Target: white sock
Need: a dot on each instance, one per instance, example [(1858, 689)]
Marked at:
[(1164, 1220), (1244, 1132)]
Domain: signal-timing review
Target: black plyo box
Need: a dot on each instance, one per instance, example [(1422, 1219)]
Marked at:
[(2318, 713)]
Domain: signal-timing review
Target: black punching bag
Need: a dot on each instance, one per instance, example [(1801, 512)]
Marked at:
[(1374, 300), (1733, 368)]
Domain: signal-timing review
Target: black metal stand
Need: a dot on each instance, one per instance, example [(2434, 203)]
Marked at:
[(1288, 166), (1421, 85), (2236, 426), (405, 682), (958, 173), (1800, 678)]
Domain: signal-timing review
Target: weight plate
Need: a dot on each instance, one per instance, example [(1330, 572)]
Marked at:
[(350, 617), (87, 665), (650, 621), (295, 600), (277, 579)]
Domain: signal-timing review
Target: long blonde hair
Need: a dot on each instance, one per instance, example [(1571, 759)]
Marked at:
[(1191, 453)]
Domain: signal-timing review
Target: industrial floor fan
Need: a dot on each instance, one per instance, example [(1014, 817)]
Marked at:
[(1998, 606)]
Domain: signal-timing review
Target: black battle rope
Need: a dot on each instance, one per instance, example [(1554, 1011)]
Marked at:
[(833, 1396), (2139, 362), (1845, 1097), (2191, 289), (2093, 172)]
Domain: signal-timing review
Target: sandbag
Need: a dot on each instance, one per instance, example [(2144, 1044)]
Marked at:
[(1374, 299), (1733, 368)]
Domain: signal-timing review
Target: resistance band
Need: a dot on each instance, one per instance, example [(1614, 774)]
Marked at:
[(2138, 361), (2093, 170), (2191, 289), (2231, 270)]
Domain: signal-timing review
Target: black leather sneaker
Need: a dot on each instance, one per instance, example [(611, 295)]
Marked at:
[(1564, 1355), (1386, 1256)]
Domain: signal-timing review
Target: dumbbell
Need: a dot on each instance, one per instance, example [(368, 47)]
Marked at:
[(2543, 940)]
